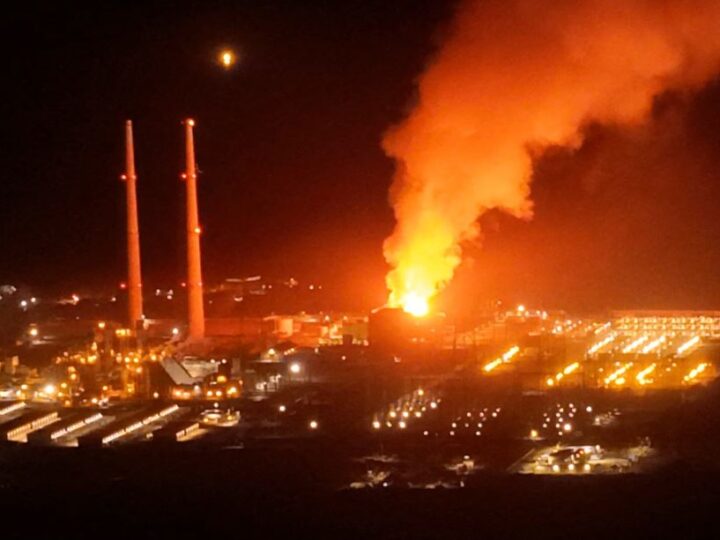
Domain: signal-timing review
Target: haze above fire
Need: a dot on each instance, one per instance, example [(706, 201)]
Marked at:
[(515, 76)]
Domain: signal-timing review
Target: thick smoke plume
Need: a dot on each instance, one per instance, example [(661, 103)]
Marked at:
[(512, 77)]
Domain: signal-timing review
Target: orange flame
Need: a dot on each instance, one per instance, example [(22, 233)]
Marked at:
[(519, 74)]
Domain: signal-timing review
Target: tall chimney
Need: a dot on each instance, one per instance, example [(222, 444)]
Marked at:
[(135, 307), (196, 312)]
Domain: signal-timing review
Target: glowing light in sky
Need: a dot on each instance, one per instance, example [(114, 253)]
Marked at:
[(227, 58)]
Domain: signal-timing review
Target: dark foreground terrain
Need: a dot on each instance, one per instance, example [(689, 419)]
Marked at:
[(233, 493), (298, 486)]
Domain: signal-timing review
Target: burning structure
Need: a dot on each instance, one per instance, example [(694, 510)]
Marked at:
[(395, 332)]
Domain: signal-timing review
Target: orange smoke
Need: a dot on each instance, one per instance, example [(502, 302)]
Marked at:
[(515, 75)]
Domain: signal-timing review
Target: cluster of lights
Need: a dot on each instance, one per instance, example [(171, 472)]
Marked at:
[(131, 361), (650, 342), (505, 358), (406, 409), (169, 294), (181, 393), (212, 394), (559, 419), (19, 434), (648, 374), (576, 465), (88, 356), (567, 326), (471, 421), (702, 325), (571, 468), (48, 391), (24, 304), (131, 428), (93, 418)]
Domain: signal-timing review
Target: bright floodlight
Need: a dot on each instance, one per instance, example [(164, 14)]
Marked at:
[(295, 368)]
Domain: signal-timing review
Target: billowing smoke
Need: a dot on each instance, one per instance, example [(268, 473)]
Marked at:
[(512, 77)]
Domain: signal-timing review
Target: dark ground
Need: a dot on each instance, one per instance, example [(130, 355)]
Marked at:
[(277, 493), (294, 487)]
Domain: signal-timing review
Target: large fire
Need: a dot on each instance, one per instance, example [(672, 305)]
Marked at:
[(515, 75), (415, 304), (418, 271)]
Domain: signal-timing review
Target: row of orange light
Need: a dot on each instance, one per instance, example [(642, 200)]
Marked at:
[(634, 345), (602, 328), (505, 358), (616, 377), (654, 344), (600, 344), (642, 377), (689, 344), (551, 381), (179, 393), (690, 377)]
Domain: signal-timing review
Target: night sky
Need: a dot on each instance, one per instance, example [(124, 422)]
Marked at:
[(294, 182)]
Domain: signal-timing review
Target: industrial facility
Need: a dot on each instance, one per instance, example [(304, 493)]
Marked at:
[(237, 364)]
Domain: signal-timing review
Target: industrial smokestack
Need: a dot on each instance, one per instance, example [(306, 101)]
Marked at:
[(196, 312), (135, 307)]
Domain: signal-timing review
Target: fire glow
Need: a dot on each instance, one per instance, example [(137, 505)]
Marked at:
[(530, 79)]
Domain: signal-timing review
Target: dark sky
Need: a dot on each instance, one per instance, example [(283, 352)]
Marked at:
[(294, 181), (293, 178)]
